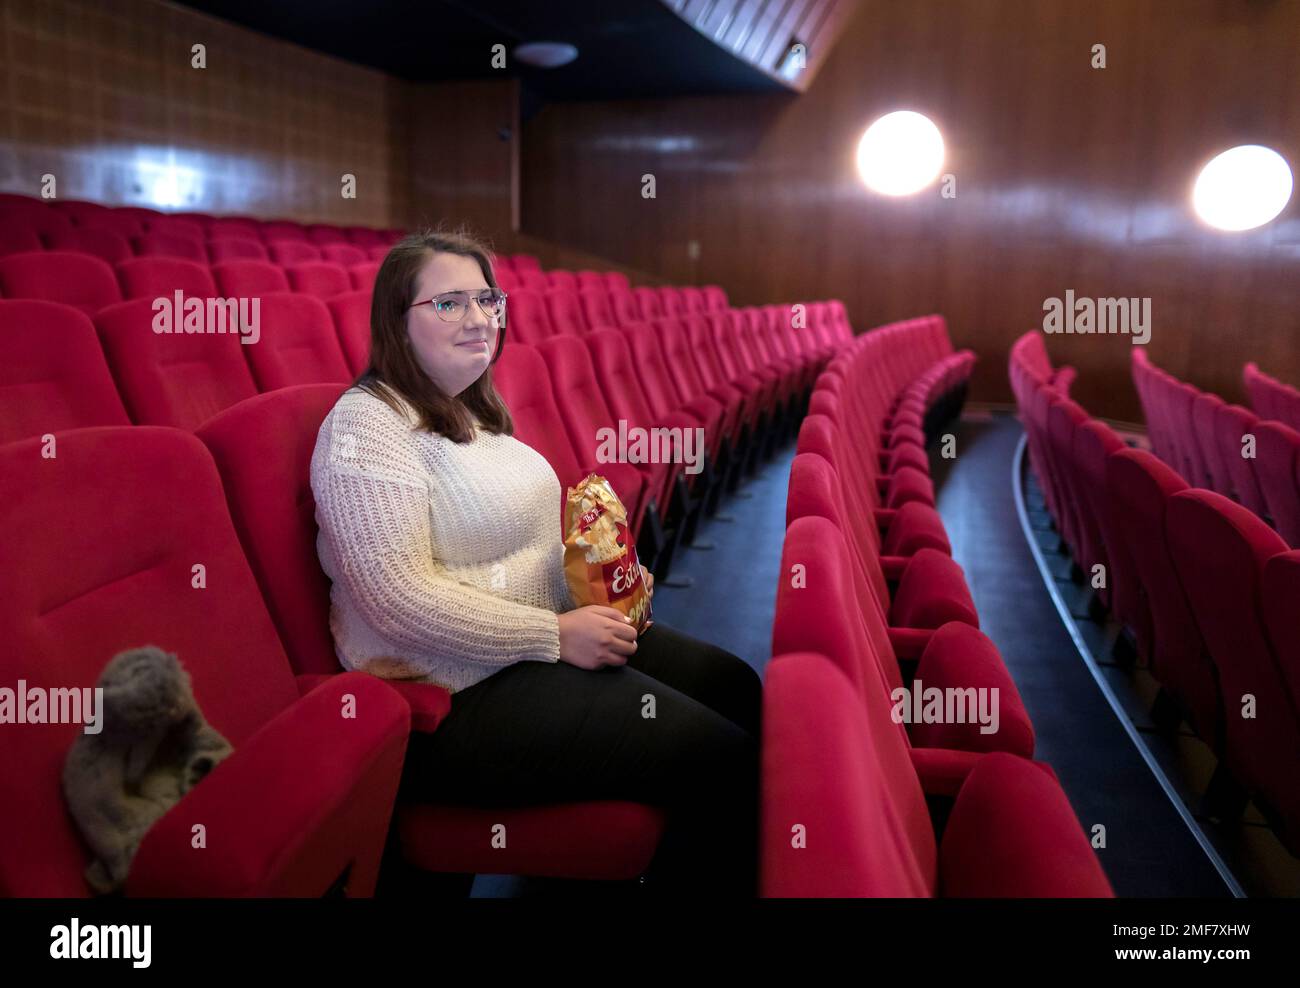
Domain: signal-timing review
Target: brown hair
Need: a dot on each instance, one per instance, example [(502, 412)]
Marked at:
[(394, 375)]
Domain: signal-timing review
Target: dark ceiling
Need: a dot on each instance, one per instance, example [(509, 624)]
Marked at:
[(627, 48)]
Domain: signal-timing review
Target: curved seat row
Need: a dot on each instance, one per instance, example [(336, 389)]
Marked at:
[(859, 797), (1206, 588)]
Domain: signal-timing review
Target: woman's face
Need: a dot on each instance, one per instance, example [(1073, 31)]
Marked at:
[(453, 354)]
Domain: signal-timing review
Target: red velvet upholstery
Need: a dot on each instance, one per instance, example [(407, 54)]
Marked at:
[(298, 344), (160, 277), (175, 379), (322, 795), (53, 375), (79, 280)]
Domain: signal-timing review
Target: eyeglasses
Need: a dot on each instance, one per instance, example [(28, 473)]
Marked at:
[(453, 306)]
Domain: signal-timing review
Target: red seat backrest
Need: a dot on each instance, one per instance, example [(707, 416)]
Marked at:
[(108, 246), (79, 280), (351, 314), (66, 611), (318, 279), (247, 279), (263, 449), (298, 344), (155, 277), (53, 375)]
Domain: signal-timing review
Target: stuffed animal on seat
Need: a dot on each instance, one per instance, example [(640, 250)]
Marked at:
[(154, 747)]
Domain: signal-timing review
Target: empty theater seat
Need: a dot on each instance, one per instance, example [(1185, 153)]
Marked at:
[(78, 280), (157, 277), (298, 345), (845, 778), (246, 279), (174, 379), (320, 279), (105, 244), (351, 314), (1220, 550), (53, 375), (168, 514)]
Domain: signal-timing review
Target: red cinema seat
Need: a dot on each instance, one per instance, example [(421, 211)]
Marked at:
[(235, 249), (1205, 417), (845, 778), (590, 281), (1277, 469), (527, 317), (379, 253), (287, 252), (589, 421), (649, 303), (169, 245), (78, 280), (344, 255), (1140, 486), (534, 281), (126, 578), (929, 586), (715, 298), (559, 280), (53, 375), (121, 222), (105, 244), (321, 280), (157, 277), (693, 299), (263, 449), (842, 619), (1235, 424), (366, 237), (362, 276), (273, 230), (524, 382), (173, 227), (246, 279), (596, 309), (671, 302), (174, 379), (323, 233), (225, 226), (40, 219), (665, 400), (351, 314), (626, 311), (1280, 593), (616, 281), (298, 344), (1220, 550), (524, 262), (700, 337), (17, 238), (566, 314), (680, 359)]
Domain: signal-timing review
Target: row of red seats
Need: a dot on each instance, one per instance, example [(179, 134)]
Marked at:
[(1207, 589), (1271, 398), (257, 451), (870, 603), (1221, 447), (537, 315), (47, 217), (256, 642)]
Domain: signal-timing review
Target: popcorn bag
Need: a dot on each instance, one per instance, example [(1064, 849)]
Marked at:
[(599, 558)]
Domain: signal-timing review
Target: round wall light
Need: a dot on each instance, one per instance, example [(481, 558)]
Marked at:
[(1242, 188), (545, 54), (900, 153)]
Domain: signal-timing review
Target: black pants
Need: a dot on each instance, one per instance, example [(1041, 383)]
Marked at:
[(677, 727)]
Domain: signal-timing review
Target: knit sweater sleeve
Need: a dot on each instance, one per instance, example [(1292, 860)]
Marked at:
[(372, 505)]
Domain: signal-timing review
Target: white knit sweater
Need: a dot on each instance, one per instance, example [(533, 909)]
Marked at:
[(446, 558)]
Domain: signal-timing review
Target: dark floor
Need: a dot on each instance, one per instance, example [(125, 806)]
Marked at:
[(1149, 849)]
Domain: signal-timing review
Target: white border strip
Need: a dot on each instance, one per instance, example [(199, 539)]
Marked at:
[(1225, 873)]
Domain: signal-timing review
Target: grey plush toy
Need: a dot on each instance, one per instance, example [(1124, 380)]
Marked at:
[(154, 746)]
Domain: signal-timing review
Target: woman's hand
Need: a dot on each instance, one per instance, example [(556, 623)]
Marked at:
[(595, 636), (649, 582)]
